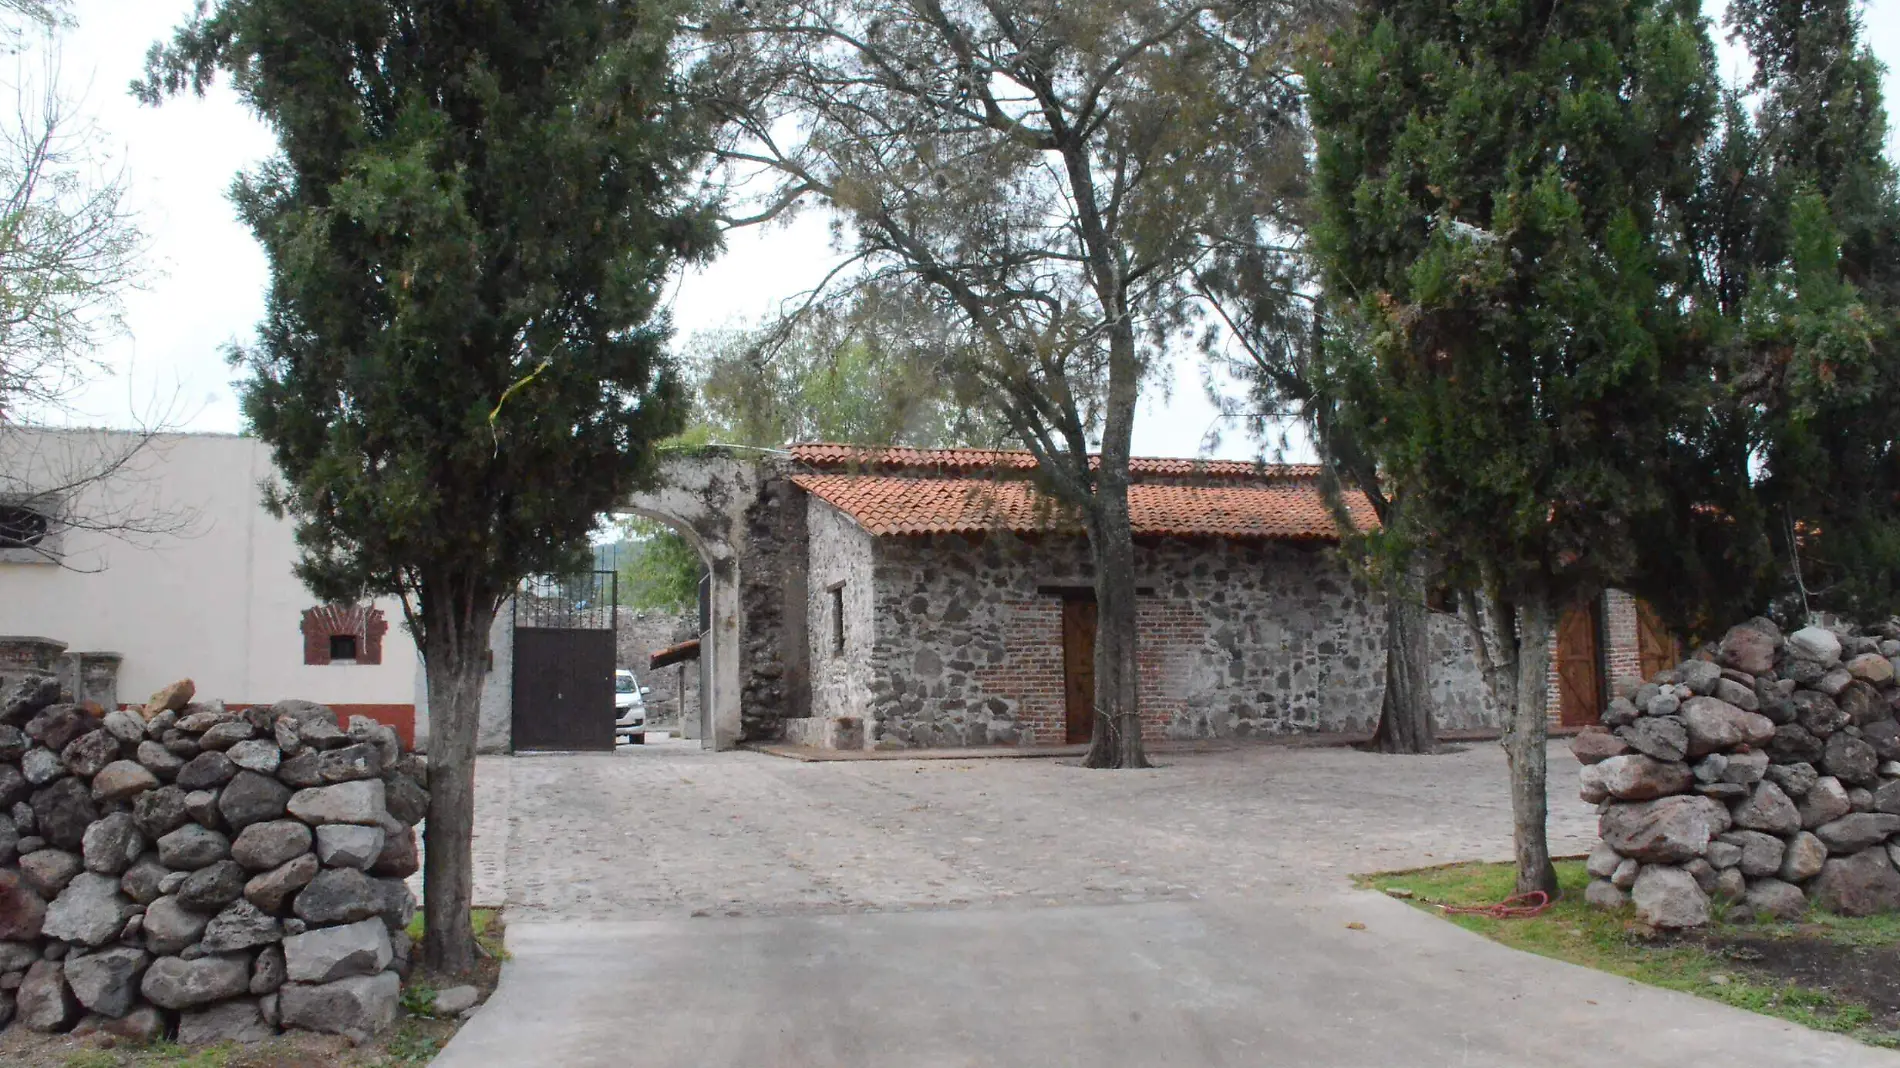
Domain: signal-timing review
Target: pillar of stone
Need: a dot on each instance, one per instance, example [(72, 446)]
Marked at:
[(22, 654), (91, 677)]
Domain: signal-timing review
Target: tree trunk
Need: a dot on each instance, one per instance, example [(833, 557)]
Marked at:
[(1405, 717), (1115, 741), (1525, 745), (453, 649), (1116, 738)]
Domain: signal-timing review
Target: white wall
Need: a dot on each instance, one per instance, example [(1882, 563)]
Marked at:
[(209, 594), (841, 552), (494, 732)]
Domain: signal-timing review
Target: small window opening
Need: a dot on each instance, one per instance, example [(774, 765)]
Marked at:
[(342, 647), (837, 620), (21, 527)]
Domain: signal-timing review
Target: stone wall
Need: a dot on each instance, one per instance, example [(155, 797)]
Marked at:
[(1765, 772), (1460, 699), (187, 871), (841, 556), (1239, 639), (772, 602), (638, 635), (494, 725)]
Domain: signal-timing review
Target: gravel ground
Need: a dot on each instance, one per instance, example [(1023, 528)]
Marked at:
[(669, 829)]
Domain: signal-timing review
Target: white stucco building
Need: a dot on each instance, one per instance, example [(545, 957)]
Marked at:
[(195, 581)]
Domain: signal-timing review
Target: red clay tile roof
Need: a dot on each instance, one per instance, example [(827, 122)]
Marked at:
[(857, 458), (1277, 509), (674, 654)]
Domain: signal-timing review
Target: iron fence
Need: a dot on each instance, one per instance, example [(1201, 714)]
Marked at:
[(575, 602)]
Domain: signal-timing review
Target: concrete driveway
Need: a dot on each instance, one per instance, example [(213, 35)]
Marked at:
[(673, 907)]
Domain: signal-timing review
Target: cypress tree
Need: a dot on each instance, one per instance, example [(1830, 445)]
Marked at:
[(1817, 362), (469, 221), (1503, 189)]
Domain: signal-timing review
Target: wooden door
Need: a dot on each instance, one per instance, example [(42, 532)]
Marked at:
[(1579, 666), (563, 688), (1078, 669), (1656, 648)]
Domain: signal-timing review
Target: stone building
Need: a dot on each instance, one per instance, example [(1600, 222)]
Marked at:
[(901, 598), (937, 598), (950, 603)]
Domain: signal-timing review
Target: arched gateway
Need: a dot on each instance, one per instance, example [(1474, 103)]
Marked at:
[(727, 502)]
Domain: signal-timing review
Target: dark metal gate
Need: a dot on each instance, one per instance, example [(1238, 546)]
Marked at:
[(564, 663)]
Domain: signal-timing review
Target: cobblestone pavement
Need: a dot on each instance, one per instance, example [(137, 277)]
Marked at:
[(670, 830)]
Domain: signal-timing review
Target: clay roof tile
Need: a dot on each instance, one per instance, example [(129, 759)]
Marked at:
[(1277, 508)]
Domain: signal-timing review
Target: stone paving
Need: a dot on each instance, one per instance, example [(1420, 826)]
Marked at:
[(670, 830)]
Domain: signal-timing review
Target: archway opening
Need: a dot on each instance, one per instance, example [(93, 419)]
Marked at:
[(664, 576)]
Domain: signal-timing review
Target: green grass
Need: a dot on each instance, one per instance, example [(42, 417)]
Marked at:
[(1609, 941), (160, 1055), (408, 1044), (482, 920)]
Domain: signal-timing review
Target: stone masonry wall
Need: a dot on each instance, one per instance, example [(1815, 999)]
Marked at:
[(772, 660), (187, 871), (1460, 699), (840, 552), (1239, 639)]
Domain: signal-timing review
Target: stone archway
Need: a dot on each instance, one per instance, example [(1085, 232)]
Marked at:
[(705, 496)]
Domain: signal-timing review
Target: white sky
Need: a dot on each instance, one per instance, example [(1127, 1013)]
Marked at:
[(208, 278)]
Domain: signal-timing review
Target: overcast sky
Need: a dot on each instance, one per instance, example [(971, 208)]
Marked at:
[(207, 280)]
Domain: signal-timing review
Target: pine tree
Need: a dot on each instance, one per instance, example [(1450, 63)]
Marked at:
[(1502, 190), (469, 221)]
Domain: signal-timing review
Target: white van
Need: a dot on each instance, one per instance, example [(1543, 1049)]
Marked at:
[(630, 707)]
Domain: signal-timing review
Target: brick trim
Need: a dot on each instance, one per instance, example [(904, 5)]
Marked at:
[(365, 623)]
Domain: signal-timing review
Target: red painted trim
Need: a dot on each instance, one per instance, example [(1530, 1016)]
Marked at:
[(401, 717)]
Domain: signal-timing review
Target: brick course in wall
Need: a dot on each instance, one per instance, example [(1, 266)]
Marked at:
[(1172, 634), (1622, 666)]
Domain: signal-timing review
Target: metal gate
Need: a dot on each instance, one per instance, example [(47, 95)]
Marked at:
[(564, 663)]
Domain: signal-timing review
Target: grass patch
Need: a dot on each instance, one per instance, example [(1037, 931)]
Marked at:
[(1614, 942), (489, 933), (158, 1055)]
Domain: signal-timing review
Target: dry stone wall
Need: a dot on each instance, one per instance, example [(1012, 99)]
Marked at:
[(1765, 772), (193, 871)]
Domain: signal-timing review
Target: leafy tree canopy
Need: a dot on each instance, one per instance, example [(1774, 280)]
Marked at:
[(868, 371)]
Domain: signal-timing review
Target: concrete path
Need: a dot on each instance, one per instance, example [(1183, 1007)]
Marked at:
[(671, 907)]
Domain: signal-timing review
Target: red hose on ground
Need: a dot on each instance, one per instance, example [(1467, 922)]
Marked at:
[(1515, 907)]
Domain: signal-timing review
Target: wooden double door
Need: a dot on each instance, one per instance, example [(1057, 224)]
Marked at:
[(1581, 687)]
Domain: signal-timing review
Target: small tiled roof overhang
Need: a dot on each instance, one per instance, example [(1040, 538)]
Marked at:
[(1280, 509), (972, 461), (674, 654)]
